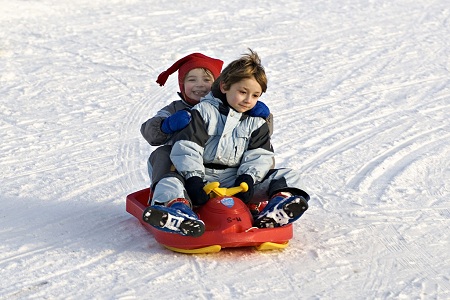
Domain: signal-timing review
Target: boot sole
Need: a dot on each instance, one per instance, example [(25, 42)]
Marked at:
[(158, 219), (293, 210), (192, 228), (296, 209)]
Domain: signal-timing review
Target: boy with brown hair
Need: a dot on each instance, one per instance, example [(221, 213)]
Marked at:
[(223, 143), (196, 73)]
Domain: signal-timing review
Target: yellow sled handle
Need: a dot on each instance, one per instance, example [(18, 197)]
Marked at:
[(214, 190)]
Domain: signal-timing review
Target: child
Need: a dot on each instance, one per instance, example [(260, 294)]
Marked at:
[(196, 73), (224, 143)]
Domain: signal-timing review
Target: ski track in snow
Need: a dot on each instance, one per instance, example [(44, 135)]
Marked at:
[(360, 91)]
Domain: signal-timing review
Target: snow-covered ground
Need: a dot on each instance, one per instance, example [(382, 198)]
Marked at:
[(360, 90)]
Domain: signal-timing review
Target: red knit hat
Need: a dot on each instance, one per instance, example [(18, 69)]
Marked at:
[(187, 63)]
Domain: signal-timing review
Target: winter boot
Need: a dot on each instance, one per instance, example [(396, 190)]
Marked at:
[(281, 210), (176, 217)]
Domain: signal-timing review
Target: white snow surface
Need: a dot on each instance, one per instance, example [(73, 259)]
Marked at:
[(360, 91)]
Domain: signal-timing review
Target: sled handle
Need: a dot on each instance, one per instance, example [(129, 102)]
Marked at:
[(214, 190)]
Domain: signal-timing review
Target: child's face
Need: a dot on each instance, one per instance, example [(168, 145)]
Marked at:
[(197, 84), (242, 95)]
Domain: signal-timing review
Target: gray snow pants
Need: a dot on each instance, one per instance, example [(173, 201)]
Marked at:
[(159, 164), (277, 180)]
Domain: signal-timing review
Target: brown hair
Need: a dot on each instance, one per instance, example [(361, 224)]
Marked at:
[(248, 66)]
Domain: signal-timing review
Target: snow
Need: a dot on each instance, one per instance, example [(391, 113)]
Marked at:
[(360, 90)]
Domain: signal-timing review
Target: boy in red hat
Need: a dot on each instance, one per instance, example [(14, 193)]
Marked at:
[(196, 73)]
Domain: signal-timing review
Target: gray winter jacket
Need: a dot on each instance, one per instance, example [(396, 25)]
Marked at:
[(219, 138), (151, 129)]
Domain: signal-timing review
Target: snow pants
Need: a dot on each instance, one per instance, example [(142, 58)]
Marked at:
[(159, 164), (171, 186)]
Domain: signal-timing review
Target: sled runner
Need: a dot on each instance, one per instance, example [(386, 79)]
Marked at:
[(228, 223)]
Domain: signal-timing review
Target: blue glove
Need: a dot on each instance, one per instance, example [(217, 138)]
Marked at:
[(259, 110), (176, 122)]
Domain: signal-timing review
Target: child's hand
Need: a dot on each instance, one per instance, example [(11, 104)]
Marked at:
[(248, 195), (194, 187), (259, 110), (176, 122)]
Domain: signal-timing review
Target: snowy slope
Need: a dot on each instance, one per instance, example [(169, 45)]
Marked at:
[(360, 90)]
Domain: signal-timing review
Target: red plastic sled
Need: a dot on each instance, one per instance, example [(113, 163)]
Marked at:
[(228, 223)]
